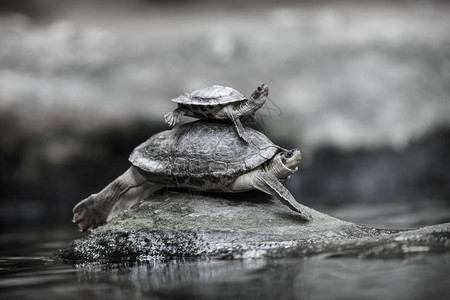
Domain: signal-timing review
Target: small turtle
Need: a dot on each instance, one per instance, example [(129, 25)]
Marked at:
[(204, 156), (219, 102)]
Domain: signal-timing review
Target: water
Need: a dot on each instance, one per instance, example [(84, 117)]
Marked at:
[(28, 272)]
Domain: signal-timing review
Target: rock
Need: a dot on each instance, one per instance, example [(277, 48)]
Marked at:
[(174, 224)]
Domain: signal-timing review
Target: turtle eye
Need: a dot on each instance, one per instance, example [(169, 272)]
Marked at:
[(288, 154), (260, 88)]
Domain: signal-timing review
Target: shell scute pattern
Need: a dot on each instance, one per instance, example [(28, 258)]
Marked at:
[(217, 167), (195, 167), (208, 151), (179, 166), (210, 96)]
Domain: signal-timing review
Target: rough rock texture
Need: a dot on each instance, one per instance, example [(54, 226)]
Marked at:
[(247, 225)]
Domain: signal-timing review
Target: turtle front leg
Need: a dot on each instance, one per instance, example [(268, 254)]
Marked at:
[(241, 130), (269, 184), (94, 210), (234, 116), (173, 117), (250, 119)]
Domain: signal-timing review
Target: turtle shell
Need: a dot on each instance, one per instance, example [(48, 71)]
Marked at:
[(212, 95), (206, 152)]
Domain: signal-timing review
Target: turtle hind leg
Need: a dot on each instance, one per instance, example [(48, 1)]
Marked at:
[(173, 117), (269, 184), (130, 198), (87, 215), (94, 210)]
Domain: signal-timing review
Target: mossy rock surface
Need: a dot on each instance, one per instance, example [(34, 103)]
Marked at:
[(177, 224)]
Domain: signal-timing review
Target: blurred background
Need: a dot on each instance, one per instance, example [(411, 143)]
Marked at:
[(362, 87)]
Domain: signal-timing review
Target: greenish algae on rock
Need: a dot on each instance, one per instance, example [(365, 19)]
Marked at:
[(176, 224)]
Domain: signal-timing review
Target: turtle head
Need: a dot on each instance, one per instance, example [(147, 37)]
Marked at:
[(258, 97), (291, 158), (284, 163)]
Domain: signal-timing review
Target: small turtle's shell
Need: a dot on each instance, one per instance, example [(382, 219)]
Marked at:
[(202, 153), (212, 95)]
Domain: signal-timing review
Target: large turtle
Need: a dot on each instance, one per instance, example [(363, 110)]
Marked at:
[(218, 102), (202, 155)]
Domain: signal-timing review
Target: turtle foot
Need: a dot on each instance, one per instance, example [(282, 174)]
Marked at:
[(171, 118), (245, 137), (86, 216), (306, 216), (241, 131)]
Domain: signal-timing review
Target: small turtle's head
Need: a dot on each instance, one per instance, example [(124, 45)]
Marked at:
[(291, 158), (258, 97)]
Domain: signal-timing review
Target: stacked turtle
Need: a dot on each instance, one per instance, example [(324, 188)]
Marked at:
[(211, 155)]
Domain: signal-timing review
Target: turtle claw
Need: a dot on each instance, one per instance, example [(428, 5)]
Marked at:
[(171, 118), (168, 118)]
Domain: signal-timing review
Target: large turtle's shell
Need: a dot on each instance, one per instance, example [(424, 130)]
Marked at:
[(211, 152), (212, 95)]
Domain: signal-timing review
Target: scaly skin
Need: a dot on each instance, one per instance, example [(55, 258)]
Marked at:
[(268, 179), (246, 108), (94, 210)]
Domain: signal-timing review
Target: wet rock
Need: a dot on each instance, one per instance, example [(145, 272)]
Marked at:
[(248, 225)]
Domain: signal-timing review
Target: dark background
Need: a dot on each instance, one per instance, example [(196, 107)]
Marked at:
[(362, 87)]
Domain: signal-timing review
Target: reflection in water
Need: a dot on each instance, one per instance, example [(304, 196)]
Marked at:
[(176, 277), (312, 278), (234, 279)]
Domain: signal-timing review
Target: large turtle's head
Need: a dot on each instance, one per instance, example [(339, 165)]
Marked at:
[(259, 95), (291, 158), (284, 163)]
